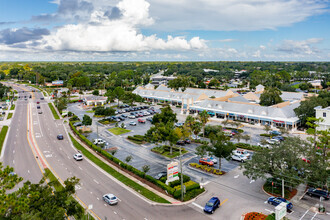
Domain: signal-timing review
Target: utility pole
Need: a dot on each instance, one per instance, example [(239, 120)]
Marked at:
[(181, 175), (283, 188)]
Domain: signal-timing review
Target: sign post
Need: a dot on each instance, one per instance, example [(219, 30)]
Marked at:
[(172, 172)]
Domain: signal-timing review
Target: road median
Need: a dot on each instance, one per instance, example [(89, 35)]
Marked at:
[(52, 108)]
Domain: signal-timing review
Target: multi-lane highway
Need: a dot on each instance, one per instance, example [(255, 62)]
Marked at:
[(58, 156)]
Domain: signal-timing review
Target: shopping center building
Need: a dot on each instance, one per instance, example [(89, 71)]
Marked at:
[(229, 104)]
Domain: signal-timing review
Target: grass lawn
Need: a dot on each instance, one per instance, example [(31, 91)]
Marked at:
[(127, 181), (52, 108), (118, 130), (296, 86), (3, 134), (90, 111), (276, 190), (12, 107), (165, 151), (10, 115)]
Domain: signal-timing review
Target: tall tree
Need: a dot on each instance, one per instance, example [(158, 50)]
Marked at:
[(271, 96), (166, 115), (87, 120), (204, 118)]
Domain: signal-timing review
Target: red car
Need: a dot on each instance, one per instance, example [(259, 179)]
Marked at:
[(38, 102), (141, 120), (206, 161)]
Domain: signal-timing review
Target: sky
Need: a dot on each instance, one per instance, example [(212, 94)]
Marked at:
[(165, 30)]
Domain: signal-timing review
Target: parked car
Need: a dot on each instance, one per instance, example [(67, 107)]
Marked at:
[(264, 145), (212, 205), (195, 137), (279, 138), (160, 175), (78, 156), (239, 157), (38, 102), (214, 160), (317, 192), (132, 123), (178, 124), (77, 124), (206, 161), (39, 112), (187, 141), (275, 201), (42, 98), (99, 141), (275, 133), (149, 119), (242, 152), (131, 116), (110, 199), (180, 143), (141, 120), (60, 137), (123, 115), (272, 141)]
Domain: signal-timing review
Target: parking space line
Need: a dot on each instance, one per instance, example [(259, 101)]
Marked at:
[(223, 202), (304, 214), (314, 216)]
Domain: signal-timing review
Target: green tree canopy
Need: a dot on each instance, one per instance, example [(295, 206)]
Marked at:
[(271, 96)]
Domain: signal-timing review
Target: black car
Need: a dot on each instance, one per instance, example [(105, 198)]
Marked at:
[(180, 143), (125, 116), (317, 192), (160, 175), (60, 137), (42, 98), (187, 141), (149, 119), (77, 124)]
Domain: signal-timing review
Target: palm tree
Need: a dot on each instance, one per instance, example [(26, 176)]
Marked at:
[(238, 137), (203, 118), (246, 137), (225, 122), (190, 121)]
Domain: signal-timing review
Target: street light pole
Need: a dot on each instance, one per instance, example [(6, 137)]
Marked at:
[(181, 175)]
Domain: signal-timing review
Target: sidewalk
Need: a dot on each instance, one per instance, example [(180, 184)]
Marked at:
[(297, 198), (168, 198)]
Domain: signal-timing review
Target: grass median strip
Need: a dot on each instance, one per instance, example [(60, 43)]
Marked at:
[(53, 111), (12, 107), (127, 181), (3, 134), (118, 130), (10, 115)]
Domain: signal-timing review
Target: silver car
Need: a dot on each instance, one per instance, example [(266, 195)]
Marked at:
[(78, 156), (110, 199)]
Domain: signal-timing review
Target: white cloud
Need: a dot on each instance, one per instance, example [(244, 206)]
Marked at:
[(227, 40), (103, 34), (232, 14), (300, 47), (262, 47)]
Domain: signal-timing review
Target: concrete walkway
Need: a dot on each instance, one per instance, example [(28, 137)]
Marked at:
[(168, 198)]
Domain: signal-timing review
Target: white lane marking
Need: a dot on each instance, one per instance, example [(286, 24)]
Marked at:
[(118, 199), (145, 219), (96, 181), (314, 216), (195, 204), (60, 148), (28, 171), (69, 157), (304, 214), (105, 205), (48, 155), (252, 181), (115, 213), (328, 213), (265, 202), (13, 151), (269, 210), (236, 176), (13, 161), (204, 184), (15, 142), (98, 198), (91, 192), (80, 168), (17, 129)]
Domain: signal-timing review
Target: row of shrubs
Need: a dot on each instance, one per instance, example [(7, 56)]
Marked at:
[(265, 135), (138, 139), (170, 190), (207, 168), (248, 146)]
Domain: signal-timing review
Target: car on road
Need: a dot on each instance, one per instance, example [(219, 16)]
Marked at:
[(275, 133), (131, 116), (318, 192), (141, 120), (242, 152), (239, 157), (187, 141), (160, 175), (38, 106), (212, 205), (180, 143), (42, 98), (38, 102), (110, 199), (275, 201), (132, 123), (99, 141), (78, 156), (60, 137), (39, 112), (206, 161)]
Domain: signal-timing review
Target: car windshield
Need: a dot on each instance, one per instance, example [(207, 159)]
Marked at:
[(113, 198), (209, 204)]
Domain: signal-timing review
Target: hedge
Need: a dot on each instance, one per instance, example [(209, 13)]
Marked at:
[(128, 167), (265, 135), (207, 168), (248, 147)]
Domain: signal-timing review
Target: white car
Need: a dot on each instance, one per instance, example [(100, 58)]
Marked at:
[(99, 141), (239, 157), (272, 141), (78, 156), (242, 152), (110, 199), (131, 116), (195, 137), (264, 145), (133, 123)]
